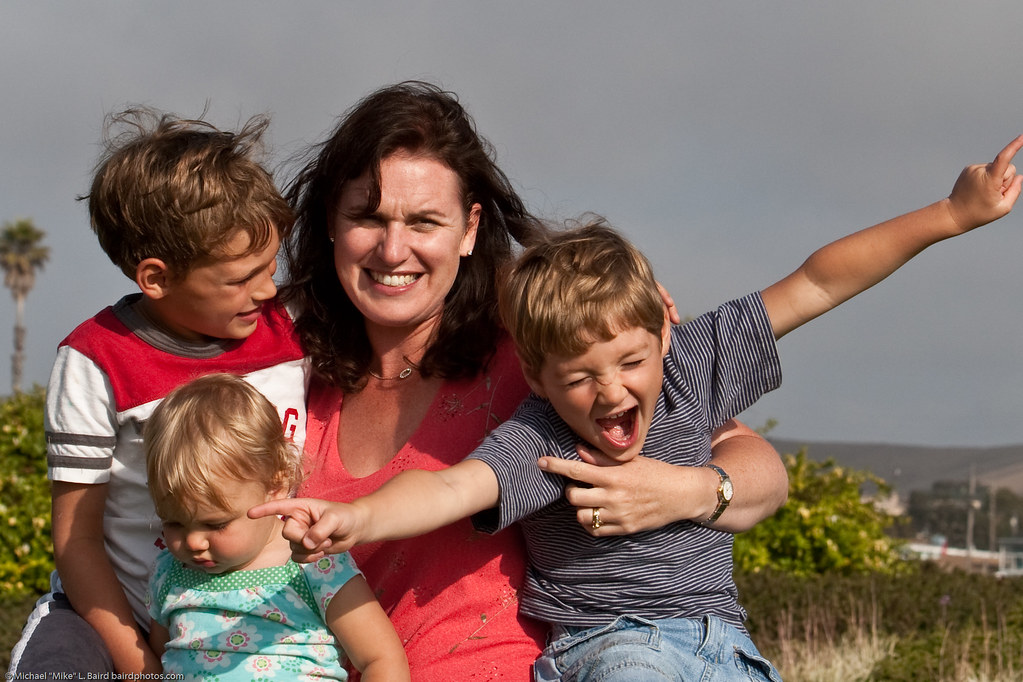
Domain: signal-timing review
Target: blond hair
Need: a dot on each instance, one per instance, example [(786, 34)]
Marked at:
[(208, 433), (179, 190), (577, 287)]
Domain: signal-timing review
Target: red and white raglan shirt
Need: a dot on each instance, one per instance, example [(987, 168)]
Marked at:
[(110, 374)]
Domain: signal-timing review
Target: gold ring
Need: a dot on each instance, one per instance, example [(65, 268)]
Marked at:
[(596, 519)]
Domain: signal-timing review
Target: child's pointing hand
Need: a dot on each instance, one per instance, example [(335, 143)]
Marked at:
[(986, 191), (314, 527)]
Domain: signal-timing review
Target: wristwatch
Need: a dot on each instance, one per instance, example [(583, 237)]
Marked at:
[(725, 493)]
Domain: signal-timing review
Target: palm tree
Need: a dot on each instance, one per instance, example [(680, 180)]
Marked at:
[(20, 256)]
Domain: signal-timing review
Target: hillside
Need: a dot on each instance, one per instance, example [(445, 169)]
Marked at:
[(909, 467)]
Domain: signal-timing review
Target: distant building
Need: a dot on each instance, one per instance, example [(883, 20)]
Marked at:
[(892, 504), (971, 560), (1010, 556)]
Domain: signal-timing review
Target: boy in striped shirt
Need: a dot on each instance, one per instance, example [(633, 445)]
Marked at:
[(607, 369)]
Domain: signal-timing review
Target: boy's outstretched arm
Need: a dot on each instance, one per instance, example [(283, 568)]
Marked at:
[(842, 269), (412, 503)]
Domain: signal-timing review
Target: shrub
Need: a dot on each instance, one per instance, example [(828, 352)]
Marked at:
[(26, 547), (826, 526)]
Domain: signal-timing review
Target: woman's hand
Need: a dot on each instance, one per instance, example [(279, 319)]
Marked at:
[(642, 494), (669, 304), (645, 494)]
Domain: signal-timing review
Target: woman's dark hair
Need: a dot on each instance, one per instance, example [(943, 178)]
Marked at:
[(421, 119)]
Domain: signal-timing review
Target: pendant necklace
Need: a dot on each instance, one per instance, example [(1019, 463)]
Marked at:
[(403, 374)]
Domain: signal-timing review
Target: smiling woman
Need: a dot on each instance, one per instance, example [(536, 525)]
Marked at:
[(394, 262), (399, 318), (404, 223)]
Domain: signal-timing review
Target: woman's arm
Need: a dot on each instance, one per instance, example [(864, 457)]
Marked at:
[(758, 475), (644, 494)]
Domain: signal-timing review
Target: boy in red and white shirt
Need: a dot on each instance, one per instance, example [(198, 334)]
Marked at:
[(187, 212)]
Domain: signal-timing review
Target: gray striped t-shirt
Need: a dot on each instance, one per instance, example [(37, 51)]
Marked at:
[(718, 365)]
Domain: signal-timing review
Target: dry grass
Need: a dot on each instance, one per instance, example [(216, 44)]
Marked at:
[(850, 660), (854, 656)]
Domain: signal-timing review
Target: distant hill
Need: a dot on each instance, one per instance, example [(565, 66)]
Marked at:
[(910, 467)]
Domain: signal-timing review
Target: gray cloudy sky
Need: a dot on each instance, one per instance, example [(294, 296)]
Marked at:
[(728, 139)]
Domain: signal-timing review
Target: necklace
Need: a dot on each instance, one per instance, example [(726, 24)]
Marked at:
[(403, 374)]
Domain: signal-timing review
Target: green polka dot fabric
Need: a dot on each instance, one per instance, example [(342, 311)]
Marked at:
[(262, 624)]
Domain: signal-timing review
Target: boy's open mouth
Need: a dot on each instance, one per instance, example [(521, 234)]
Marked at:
[(619, 429)]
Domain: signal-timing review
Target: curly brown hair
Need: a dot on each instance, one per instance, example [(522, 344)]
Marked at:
[(421, 119)]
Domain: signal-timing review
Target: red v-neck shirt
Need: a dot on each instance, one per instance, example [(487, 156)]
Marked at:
[(451, 594)]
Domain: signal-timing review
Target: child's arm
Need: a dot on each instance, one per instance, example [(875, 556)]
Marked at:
[(842, 269), (366, 635), (88, 578), (412, 503)]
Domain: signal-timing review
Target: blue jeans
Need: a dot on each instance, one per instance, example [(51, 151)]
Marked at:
[(677, 649)]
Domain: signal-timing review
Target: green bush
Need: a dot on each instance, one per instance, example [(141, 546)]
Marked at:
[(26, 547), (826, 526)]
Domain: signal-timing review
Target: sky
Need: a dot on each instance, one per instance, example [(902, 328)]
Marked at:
[(727, 139)]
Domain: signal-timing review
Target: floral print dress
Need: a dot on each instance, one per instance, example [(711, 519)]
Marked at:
[(261, 624)]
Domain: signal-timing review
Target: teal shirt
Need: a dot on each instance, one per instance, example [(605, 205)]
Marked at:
[(262, 624)]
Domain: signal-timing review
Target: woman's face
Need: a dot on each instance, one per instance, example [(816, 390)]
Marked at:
[(398, 263)]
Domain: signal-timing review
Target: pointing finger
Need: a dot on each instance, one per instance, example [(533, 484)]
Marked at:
[(1004, 157)]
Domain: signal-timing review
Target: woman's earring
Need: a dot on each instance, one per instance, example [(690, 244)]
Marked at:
[(331, 238), (470, 253)]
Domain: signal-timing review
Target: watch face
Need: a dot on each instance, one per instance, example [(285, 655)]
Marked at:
[(726, 490)]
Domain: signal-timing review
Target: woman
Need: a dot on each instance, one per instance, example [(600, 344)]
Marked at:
[(404, 222)]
